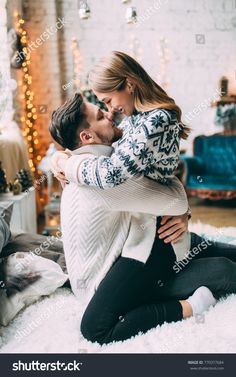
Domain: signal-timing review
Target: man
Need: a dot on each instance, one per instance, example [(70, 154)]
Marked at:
[(114, 228)]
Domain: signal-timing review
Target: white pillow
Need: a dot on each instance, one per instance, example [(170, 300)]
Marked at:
[(23, 265)]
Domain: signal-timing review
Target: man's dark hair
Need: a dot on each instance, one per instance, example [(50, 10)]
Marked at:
[(67, 120)]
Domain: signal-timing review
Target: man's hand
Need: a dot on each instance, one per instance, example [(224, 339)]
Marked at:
[(58, 162), (173, 227)]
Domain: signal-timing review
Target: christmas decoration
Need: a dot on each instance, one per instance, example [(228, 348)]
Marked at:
[(3, 180), (52, 209), (45, 167), (131, 15), (15, 49), (80, 83), (16, 187), (29, 118), (164, 59), (25, 179), (135, 49), (52, 215), (84, 10), (77, 65)]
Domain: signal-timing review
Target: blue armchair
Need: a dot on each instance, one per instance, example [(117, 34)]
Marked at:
[(211, 172)]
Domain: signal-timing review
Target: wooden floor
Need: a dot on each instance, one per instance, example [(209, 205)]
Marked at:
[(219, 214)]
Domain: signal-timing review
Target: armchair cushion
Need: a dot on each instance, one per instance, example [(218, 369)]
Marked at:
[(218, 153), (211, 172)]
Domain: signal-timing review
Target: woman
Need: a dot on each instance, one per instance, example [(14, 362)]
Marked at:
[(130, 299), (151, 137)]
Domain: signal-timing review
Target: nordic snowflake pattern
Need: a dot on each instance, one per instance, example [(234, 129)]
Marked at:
[(149, 145)]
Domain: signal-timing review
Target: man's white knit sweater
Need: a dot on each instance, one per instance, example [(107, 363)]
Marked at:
[(100, 225)]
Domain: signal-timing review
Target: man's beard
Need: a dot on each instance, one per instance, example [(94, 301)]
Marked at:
[(105, 140), (117, 134)]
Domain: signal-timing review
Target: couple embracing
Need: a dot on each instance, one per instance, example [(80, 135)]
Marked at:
[(124, 213)]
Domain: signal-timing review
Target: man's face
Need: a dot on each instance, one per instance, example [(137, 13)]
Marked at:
[(102, 128)]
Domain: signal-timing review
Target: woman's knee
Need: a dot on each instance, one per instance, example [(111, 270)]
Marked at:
[(225, 268), (95, 327), (88, 326), (223, 264)]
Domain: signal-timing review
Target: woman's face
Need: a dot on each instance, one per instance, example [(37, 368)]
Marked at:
[(118, 100)]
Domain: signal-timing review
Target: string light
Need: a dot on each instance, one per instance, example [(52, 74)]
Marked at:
[(135, 49), (164, 60), (28, 120), (77, 65)]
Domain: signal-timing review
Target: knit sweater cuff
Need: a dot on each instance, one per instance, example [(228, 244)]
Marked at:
[(72, 168)]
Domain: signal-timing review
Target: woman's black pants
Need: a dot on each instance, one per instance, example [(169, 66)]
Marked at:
[(135, 297)]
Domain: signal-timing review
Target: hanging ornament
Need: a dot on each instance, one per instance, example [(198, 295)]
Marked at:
[(131, 15), (84, 10)]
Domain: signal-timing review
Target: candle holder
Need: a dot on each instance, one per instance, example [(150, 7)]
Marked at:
[(52, 215)]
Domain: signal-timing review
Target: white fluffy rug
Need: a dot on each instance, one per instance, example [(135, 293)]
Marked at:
[(52, 325)]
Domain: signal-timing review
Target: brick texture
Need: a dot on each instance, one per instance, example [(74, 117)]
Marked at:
[(200, 37)]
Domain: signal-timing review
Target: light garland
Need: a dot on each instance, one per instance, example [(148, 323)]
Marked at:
[(135, 49), (77, 65), (29, 118), (164, 60)]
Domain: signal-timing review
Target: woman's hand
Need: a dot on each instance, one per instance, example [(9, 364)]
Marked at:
[(173, 227), (58, 162)]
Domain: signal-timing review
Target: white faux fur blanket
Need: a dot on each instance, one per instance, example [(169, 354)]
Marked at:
[(52, 325)]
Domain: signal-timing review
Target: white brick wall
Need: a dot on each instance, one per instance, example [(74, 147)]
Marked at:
[(194, 69), (45, 68)]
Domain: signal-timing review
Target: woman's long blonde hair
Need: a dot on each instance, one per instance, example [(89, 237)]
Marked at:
[(110, 74)]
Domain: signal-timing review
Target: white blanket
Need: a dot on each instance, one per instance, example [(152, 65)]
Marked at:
[(52, 325)]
